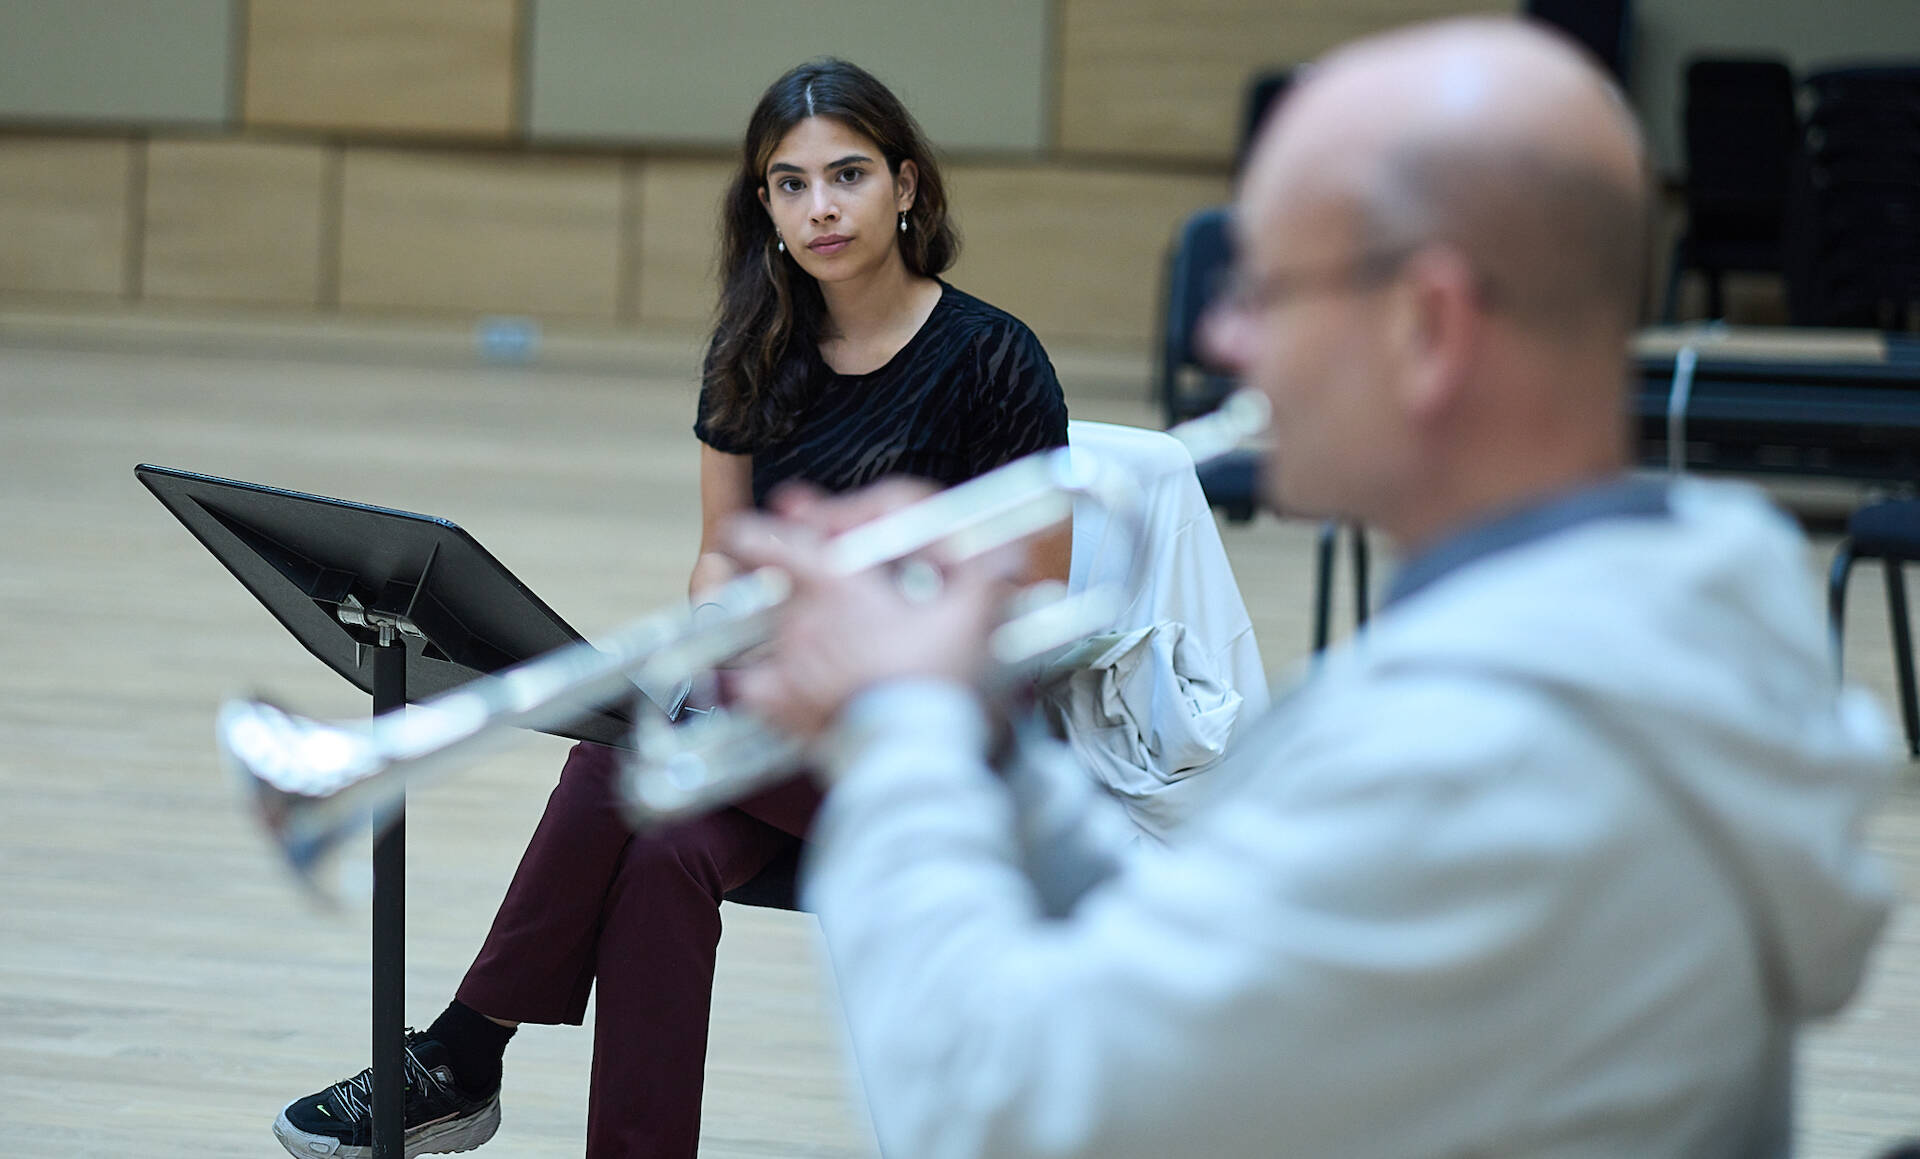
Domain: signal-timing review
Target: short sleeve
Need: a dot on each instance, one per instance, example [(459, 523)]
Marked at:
[(1019, 407)]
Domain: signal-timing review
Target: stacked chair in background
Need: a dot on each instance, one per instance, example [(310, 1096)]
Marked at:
[(1854, 260), (1816, 179), (1856, 218), (1741, 136)]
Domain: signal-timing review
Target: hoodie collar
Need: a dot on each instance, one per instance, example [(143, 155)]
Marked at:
[(1624, 498)]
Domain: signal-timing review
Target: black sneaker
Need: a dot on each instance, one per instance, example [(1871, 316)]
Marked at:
[(337, 1123)]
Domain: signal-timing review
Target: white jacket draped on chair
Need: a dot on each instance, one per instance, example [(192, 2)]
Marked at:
[(1154, 701)]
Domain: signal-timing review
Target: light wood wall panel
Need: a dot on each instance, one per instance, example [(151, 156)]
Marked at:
[(678, 232), (234, 221), (1076, 253), (158, 61), (975, 74), (1153, 78), (63, 215), (419, 66), (481, 232)]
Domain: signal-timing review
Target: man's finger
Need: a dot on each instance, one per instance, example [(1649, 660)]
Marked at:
[(832, 515), (764, 541), (793, 496)]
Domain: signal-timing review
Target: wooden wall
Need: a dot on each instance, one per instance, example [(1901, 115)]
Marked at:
[(1166, 79), (155, 62), (976, 74), (426, 67), (562, 158)]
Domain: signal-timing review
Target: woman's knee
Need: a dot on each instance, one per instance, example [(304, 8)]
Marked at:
[(716, 852), (588, 781)]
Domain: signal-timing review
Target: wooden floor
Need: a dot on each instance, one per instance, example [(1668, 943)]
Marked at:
[(163, 988)]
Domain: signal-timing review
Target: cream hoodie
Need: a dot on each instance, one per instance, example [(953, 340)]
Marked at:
[(1552, 862)]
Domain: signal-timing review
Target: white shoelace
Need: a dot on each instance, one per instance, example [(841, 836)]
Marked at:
[(355, 1095)]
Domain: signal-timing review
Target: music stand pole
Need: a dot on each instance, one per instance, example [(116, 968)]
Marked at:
[(389, 929)]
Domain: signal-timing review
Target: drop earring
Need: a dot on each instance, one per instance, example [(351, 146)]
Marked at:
[(779, 243), (903, 221)]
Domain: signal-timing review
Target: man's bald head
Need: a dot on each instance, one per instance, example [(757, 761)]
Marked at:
[(1492, 136), (1442, 234)]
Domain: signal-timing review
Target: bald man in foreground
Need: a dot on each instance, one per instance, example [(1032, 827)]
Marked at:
[(1552, 861)]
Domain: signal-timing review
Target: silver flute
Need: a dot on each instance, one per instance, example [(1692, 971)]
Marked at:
[(314, 783)]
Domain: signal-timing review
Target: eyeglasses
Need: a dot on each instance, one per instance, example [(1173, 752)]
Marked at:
[(1247, 294)]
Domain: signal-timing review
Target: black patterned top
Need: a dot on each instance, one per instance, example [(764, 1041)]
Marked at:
[(971, 390)]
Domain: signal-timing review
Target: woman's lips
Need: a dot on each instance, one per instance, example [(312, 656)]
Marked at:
[(833, 243)]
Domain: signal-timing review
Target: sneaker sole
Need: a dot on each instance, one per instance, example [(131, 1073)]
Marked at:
[(452, 1137)]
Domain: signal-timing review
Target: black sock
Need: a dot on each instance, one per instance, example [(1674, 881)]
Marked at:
[(475, 1045)]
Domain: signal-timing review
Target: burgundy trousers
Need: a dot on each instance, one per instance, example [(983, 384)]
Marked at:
[(638, 916)]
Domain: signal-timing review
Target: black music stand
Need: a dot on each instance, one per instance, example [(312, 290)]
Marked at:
[(402, 605)]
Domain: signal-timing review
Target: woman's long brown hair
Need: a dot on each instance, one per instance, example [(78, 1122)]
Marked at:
[(771, 311)]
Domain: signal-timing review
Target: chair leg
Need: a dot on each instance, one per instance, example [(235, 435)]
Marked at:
[(1676, 270), (1903, 652), (1323, 585), (1837, 600), (1362, 600)]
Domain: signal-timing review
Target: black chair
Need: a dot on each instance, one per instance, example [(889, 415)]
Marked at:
[(1604, 27), (1323, 580), (776, 887), (1854, 246), (1202, 255), (1264, 91), (1889, 532), (1741, 131), (1188, 387)]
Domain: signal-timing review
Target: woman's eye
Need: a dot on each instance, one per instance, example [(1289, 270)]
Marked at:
[(790, 185), (849, 176)]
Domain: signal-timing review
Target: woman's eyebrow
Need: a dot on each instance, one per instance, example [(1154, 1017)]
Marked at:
[(842, 163)]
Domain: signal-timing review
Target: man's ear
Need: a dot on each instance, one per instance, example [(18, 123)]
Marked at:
[(1434, 329), (906, 183)]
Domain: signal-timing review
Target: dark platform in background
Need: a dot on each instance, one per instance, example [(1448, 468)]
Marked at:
[(1838, 404)]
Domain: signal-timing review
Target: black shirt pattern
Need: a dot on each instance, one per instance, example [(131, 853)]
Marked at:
[(973, 389)]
